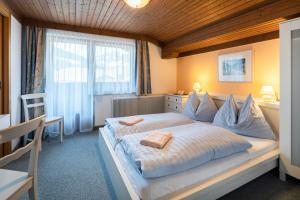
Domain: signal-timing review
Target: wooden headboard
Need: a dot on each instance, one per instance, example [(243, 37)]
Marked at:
[(270, 110)]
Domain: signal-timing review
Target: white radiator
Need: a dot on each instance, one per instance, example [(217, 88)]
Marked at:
[(126, 106), (106, 106)]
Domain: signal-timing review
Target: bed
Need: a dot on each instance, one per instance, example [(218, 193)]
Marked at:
[(150, 122), (208, 181)]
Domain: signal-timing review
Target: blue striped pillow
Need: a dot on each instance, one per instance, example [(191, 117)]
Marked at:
[(207, 109), (191, 105), (227, 115), (248, 121), (252, 122)]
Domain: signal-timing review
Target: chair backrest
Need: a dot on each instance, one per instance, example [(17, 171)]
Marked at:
[(29, 103), (36, 125)]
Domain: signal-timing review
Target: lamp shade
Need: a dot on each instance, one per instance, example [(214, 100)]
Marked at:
[(197, 87), (267, 90), (268, 93), (137, 3)]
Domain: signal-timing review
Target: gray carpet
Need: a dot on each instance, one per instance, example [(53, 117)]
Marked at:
[(267, 187), (70, 170), (74, 170)]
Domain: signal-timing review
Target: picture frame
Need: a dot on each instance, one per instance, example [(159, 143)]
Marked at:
[(235, 67)]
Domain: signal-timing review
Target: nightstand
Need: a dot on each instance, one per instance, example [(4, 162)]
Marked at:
[(175, 103)]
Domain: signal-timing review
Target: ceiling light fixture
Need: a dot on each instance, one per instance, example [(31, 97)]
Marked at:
[(137, 3)]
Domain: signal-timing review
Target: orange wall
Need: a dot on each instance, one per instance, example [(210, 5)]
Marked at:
[(203, 68), (163, 72)]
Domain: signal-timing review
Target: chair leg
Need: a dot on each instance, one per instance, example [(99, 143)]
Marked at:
[(61, 125), (40, 144), (25, 140), (33, 191), (44, 135)]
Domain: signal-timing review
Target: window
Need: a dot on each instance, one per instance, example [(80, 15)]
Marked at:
[(106, 62), (114, 68), (79, 66), (70, 62)]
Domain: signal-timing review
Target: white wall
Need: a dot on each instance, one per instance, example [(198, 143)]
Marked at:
[(163, 72), (15, 72)]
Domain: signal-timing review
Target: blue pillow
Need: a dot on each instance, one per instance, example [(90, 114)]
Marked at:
[(207, 109), (191, 105), (252, 122), (227, 115), (249, 121)]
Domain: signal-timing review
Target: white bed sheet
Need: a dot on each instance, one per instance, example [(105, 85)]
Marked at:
[(163, 187)]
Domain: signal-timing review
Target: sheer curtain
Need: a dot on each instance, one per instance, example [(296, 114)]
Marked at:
[(79, 66), (114, 62)]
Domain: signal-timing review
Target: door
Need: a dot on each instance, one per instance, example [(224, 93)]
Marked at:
[(1, 65), (290, 97), (4, 67)]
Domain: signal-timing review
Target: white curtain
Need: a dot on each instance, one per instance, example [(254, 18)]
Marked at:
[(79, 66), (114, 66)]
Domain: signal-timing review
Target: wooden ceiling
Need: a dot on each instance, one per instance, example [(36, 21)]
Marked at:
[(175, 24)]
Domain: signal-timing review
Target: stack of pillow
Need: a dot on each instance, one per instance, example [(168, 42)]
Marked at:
[(248, 120), (203, 111)]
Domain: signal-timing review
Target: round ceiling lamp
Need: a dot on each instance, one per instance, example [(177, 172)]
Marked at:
[(137, 3)]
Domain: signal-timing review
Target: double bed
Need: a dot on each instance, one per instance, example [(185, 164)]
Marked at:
[(210, 180)]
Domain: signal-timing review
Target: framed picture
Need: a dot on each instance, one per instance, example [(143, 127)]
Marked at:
[(236, 67)]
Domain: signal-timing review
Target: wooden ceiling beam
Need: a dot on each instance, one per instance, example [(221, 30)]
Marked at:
[(275, 10), (235, 43), (81, 29)]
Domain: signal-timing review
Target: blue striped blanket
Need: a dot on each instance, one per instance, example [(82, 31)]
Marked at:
[(150, 122), (192, 145)]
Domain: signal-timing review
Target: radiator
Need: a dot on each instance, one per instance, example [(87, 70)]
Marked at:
[(126, 106), (106, 106)]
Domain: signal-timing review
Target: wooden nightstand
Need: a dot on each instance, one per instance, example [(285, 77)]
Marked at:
[(175, 103)]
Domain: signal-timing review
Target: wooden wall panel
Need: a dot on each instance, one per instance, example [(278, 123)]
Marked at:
[(252, 23), (163, 20), (89, 30), (181, 25)]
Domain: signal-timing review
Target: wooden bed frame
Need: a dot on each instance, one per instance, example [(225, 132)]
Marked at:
[(212, 188)]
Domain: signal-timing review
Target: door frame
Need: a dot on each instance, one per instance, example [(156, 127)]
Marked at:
[(4, 107)]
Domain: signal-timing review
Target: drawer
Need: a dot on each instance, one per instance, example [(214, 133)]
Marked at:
[(173, 106), (170, 110), (174, 99)]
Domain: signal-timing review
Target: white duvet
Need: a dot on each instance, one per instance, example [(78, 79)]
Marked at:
[(150, 122), (191, 145)]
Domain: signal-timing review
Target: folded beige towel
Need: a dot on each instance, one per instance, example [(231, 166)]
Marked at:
[(132, 120), (156, 139)]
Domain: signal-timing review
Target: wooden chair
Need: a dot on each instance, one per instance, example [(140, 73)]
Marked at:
[(48, 121), (13, 184)]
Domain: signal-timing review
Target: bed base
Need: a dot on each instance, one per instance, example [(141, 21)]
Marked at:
[(119, 179), (211, 189)]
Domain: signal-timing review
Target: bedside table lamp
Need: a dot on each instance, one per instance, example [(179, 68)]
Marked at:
[(197, 87), (268, 93)]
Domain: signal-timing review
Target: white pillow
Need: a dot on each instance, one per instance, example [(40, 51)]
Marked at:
[(252, 122), (191, 105), (227, 115), (249, 121), (207, 109)]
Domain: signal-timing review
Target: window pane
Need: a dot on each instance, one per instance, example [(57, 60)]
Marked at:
[(70, 62), (107, 64), (112, 64), (114, 68)]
